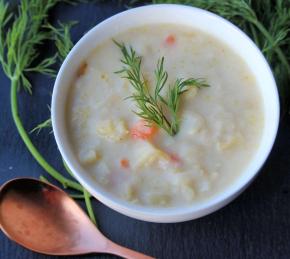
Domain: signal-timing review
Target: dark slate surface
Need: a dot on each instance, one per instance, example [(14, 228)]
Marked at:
[(255, 225)]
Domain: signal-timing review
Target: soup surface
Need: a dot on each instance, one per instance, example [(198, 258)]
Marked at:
[(220, 125)]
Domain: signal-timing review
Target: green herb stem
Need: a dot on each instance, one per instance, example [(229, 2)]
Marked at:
[(267, 23), (86, 195), (152, 107), (277, 49), (32, 149), (68, 170), (43, 179), (77, 196), (254, 33), (89, 206)]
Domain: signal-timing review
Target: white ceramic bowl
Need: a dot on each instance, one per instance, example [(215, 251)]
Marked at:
[(171, 14)]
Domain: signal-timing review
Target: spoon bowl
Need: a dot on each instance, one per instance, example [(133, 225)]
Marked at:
[(43, 218)]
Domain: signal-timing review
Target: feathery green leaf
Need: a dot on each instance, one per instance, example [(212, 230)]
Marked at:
[(154, 107)]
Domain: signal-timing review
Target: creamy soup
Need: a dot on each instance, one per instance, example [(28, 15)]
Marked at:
[(220, 125)]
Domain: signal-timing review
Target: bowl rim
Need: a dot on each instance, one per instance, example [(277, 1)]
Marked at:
[(172, 214)]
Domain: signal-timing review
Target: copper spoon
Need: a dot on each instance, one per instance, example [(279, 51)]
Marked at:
[(44, 219)]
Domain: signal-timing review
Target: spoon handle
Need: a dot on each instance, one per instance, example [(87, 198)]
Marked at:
[(124, 252)]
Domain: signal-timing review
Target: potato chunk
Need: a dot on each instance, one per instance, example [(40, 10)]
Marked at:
[(112, 130), (204, 186), (147, 155), (185, 186), (88, 157), (103, 173), (158, 199), (130, 193), (229, 142), (193, 123), (188, 192)]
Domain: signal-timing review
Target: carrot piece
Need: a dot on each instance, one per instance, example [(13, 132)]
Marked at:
[(141, 130), (125, 163), (170, 40), (82, 69), (175, 159)]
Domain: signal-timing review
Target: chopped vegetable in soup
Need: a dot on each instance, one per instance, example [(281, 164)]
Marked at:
[(177, 124)]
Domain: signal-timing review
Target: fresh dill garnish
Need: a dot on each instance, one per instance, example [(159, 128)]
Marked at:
[(20, 36), (18, 44), (45, 124), (153, 107), (19, 40), (61, 37), (266, 22)]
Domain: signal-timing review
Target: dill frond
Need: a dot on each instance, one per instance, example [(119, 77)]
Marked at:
[(20, 36), (154, 107), (21, 33), (19, 42), (266, 22), (62, 38), (45, 124)]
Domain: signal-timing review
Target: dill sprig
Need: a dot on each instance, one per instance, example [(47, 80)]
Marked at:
[(19, 40), (45, 124), (266, 22), (86, 196), (155, 108), (18, 44), (20, 36), (62, 38)]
